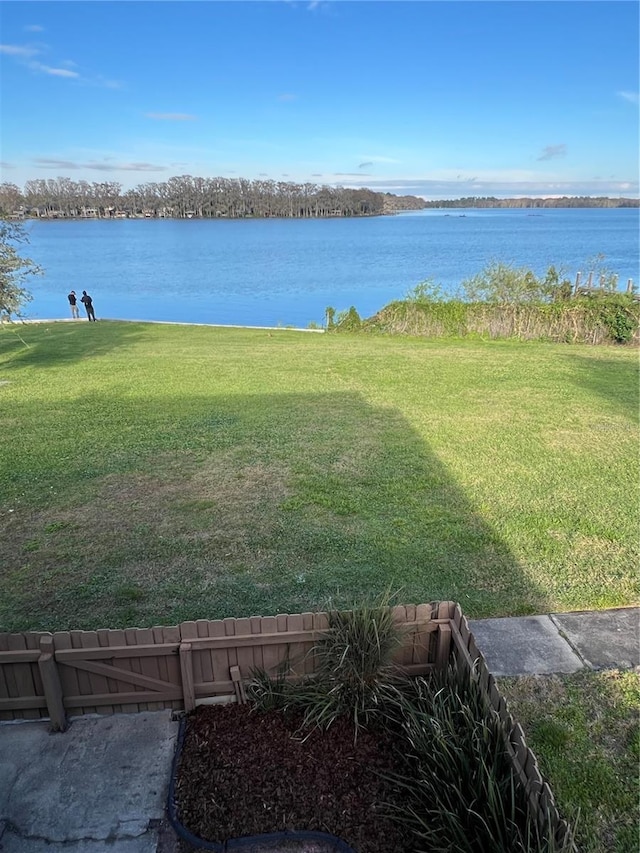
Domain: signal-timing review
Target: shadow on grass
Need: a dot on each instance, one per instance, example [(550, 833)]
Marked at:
[(55, 344), (613, 380), (207, 507)]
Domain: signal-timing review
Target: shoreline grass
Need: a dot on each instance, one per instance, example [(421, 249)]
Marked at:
[(152, 473)]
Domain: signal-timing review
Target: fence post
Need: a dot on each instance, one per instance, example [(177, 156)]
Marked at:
[(52, 686), (186, 671), (238, 686), (444, 646)]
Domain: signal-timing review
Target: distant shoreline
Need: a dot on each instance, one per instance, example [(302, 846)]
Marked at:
[(61, 217), (31, 321)]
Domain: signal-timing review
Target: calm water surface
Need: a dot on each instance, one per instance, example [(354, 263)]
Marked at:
[(270, 272)]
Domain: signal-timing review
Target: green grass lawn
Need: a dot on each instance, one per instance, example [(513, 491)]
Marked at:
[(584, 729), (151, 474)]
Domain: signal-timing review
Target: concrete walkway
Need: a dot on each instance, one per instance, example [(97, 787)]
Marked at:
[(560, 642), (101, 786)]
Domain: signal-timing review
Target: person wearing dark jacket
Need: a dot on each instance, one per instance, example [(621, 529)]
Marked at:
[(87, 301), (74, 305)]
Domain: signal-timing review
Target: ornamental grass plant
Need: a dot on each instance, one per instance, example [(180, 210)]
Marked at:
[(460, 792), (354, 671)]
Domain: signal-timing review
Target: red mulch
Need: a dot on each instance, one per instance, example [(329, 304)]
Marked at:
[(244, 772)]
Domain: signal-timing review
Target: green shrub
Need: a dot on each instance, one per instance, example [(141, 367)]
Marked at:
[(503, 301), (426, 292), (354, 668), (617, 312), (503, 284), (600, 317), (349, 321), (273, 692)]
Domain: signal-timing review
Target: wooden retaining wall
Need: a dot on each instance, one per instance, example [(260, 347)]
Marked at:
[(67, 673)]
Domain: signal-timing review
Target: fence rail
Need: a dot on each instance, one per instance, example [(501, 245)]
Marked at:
[(111, 671)]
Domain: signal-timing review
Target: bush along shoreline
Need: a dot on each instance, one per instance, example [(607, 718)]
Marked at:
[(504, 302)]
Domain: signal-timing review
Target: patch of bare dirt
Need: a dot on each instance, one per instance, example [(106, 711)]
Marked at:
[(215, 503)]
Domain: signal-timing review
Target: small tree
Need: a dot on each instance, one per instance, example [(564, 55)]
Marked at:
[(425, 292), (330, 318), (557, 285), (14, 269), (503, 284), (349, 321)]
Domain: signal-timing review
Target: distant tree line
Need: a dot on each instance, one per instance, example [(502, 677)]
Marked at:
[(188, 197), (564, 201)]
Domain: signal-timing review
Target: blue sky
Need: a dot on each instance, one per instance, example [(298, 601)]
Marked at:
[(439, 99)]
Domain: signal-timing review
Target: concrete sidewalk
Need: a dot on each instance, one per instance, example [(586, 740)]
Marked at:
[(101, 786), (560, 642)]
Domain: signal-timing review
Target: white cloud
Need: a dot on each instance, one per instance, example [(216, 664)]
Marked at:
[(632, 97), (54, 72), (34, 28), (107, 164), (375, 158), (51, 163), (171, 116), (24, 55), (125, 167), (19, 50), (551, 151)]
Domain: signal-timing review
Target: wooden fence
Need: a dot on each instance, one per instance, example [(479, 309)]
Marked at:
[(600, 282), (112, 671), (525, 765), (148, 669)]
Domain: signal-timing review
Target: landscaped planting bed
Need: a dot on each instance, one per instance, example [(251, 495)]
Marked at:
[(378, 761), (246, 772)]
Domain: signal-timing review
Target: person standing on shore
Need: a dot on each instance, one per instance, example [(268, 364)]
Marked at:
[(87, 301), (73, 302)]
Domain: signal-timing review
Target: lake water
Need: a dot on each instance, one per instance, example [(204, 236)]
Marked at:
[(286, 272)]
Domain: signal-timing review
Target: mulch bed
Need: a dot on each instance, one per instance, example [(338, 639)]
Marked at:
[(245, 772)]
